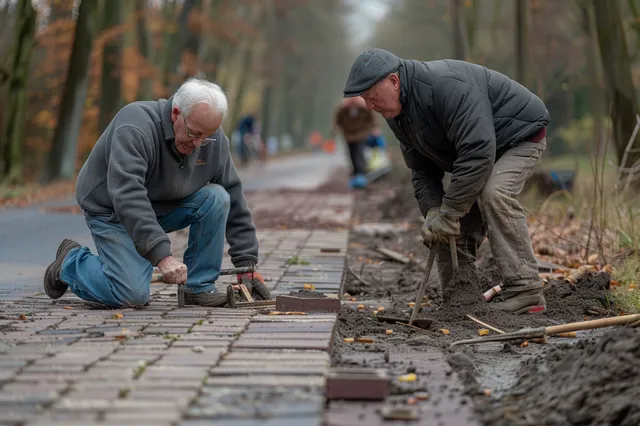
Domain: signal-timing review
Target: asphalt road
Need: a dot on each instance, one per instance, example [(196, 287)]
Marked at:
[(30, 236)]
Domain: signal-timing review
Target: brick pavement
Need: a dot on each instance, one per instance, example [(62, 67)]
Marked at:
[(69, 362)]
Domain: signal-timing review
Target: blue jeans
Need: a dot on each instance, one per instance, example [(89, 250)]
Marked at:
[(119, 276)]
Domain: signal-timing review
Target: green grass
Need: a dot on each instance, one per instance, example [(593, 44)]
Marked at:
[(624, 297), (295, 260), (11, 192)]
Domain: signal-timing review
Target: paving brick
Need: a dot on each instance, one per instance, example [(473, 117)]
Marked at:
[(262, 369), (207, 358), (156, 383), (286, 327), (182, 397), (312, 420), (203, 343), (301, 304), (291, 335), (358, 384), (318, 344), (266, 380), (268, 364), (316, 318), (155, 417), (27, 398), (261, 402), (54, 368), (64, 418), (168, 372), (84, 405), (277, 356)]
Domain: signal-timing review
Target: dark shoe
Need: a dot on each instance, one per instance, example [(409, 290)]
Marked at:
[(53, 285), (214, 299), (524, 302)]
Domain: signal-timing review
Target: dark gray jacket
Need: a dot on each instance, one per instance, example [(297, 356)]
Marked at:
[(134, 174), (459, 117)]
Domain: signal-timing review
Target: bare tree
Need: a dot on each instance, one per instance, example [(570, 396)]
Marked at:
[(65, 139), (522, 42), (13, 125), (617, 71), (111, 64)]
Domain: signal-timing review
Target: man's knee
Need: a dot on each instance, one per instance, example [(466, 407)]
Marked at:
[(131, 288), (494, 196), (217, 197), (134, 298)]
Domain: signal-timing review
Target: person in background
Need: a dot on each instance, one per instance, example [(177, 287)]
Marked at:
[(356, 124)]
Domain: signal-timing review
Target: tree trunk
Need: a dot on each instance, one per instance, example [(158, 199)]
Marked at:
[(11, 139), (241, 89), (522, 42), (617, 72), (457, 29), (264, 111), (62, 157), (168, 46), (110, 83), (594, 71), (187, 57), (145, 88)]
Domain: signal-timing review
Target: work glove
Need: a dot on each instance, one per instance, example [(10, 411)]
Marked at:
[(173, 271), (255, 284), (440, 226)]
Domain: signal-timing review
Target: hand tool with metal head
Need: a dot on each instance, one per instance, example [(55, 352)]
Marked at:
[(543, 332), (427, 273), (230, 271)]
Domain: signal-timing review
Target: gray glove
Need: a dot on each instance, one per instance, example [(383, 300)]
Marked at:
[(441, 226)]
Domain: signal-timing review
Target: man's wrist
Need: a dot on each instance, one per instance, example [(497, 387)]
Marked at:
[(450, 212)]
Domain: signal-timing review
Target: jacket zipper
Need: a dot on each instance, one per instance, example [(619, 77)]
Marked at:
[(406, 123), (179, 180)]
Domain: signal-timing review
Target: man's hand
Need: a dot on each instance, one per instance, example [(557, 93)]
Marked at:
[(172, 270), (255, 284), (439, 229)]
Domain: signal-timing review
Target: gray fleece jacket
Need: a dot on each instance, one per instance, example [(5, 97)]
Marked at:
[(135, 174)]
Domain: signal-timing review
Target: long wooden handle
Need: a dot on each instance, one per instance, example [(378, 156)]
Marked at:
[(454, 253), (588, 325), (423, 286)]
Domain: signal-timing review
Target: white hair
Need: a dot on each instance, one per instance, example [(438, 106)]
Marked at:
[(195, 91)]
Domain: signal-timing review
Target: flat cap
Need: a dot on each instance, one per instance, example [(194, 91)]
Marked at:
[(370, 67)]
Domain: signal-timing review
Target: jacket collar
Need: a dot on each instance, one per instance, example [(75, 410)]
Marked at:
[(167, 126), (405, 83), (165, 117)]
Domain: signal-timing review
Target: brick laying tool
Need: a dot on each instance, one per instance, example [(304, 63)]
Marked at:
[(427, 273), (230, 271), (543, 332)]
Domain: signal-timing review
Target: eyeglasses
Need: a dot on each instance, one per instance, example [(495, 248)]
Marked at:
[(203, 139)]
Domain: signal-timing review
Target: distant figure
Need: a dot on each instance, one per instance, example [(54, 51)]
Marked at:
[(247, 130), (356, 124), (315, 140)]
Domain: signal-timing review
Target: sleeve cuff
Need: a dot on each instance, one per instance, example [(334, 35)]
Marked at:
[(159, 252), (451, 212), (243, 263)]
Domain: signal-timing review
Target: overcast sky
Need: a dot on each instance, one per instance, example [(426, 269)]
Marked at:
[(365, 17)]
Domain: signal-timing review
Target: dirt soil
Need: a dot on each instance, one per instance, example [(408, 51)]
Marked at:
[(308, 294), (510, 383)]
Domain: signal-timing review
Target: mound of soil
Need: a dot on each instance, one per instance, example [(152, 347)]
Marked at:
[(587, 297), (592, 383), (308, 294)]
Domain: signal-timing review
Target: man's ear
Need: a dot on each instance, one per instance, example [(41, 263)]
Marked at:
[(175, 112), (395, 81)]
